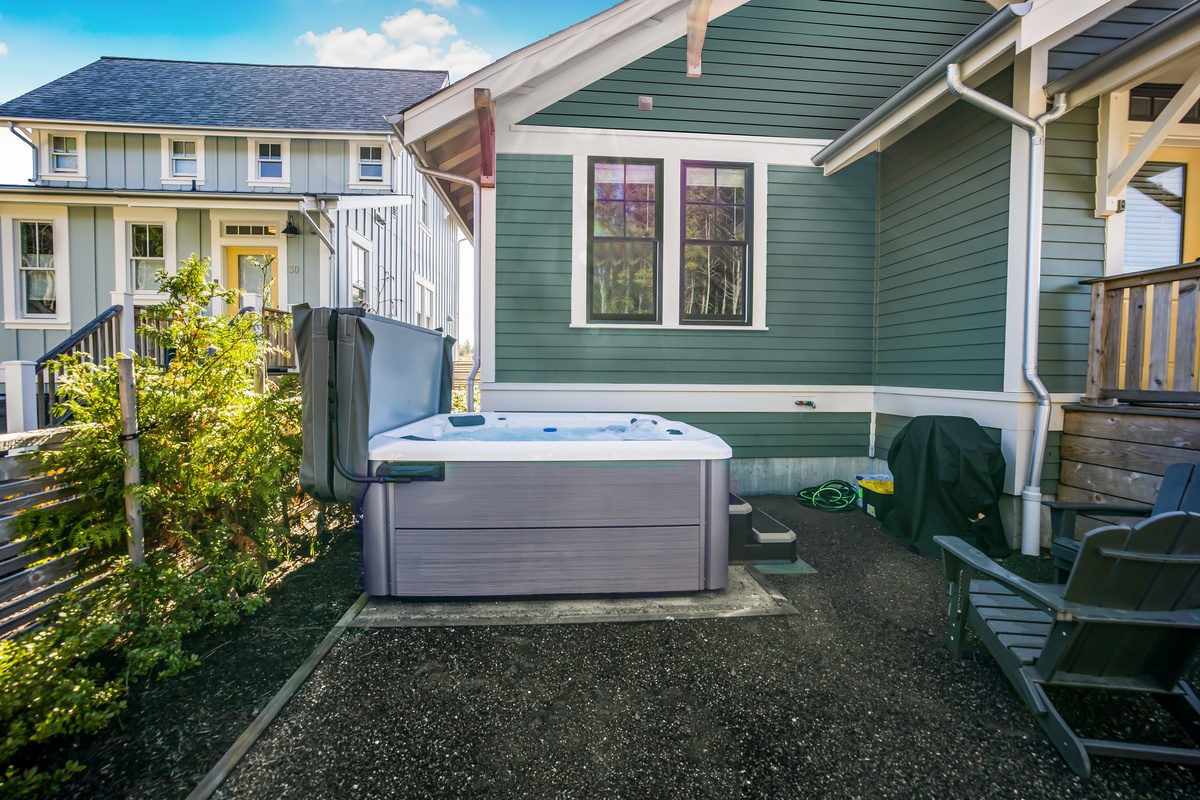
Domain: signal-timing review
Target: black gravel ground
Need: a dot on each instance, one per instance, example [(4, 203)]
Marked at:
[(855, 697)]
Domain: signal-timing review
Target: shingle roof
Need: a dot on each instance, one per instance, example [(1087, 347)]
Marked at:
[(193, 94)]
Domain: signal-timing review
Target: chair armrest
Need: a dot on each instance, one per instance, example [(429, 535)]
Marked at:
[(1063, 514), (955, 549)]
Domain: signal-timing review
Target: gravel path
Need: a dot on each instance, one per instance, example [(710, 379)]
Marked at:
[(855, 697)]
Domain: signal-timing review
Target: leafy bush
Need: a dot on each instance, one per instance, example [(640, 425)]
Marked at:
[(220, 451)]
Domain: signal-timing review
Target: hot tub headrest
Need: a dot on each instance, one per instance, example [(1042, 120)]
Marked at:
[(389, 373)]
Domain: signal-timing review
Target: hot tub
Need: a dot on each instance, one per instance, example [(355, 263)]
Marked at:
[(543, 504)]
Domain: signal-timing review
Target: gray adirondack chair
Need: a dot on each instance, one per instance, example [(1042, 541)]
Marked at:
[(1128, 619), (1179, 491)]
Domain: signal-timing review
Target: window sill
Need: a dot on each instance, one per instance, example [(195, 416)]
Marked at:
[(184, 181), (650, 326), (282, 184), (369, 185), (36, 325), (63, 176)]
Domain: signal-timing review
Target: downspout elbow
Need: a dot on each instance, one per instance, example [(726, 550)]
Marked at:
[(17, 133)]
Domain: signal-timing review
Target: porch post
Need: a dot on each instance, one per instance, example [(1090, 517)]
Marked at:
[(20, 390), (127, 327)]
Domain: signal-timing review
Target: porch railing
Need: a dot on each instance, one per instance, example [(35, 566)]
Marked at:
[(100, 338), (1144, 337), (277, 330)]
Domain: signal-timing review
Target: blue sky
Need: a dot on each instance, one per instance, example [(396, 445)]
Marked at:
[(39, 43)]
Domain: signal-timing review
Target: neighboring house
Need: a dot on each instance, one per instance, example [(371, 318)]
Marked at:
[(136, 164), (730, 247)]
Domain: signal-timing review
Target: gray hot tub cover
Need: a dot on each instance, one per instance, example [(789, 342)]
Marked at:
[(389, 373)]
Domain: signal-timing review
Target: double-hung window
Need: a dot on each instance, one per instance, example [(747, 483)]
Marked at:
[(183, 159), (624, 239), (64, 154), (37, 269), (715, 263), (370, 163), (270, 161), (146, 255)]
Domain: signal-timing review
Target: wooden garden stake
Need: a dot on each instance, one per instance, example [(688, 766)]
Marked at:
[(133, 472)]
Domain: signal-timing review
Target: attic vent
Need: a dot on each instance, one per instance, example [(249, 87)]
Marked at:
[(250, 230)]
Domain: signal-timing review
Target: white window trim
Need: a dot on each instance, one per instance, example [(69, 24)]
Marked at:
[(46, 169), (123, 218), (354, 180), (252, 162), (167, 161), (420, 283), (671, 252), (10, 241)]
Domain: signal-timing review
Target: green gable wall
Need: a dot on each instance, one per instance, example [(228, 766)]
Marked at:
[(820, 279), (1073, 249), (804, 68), (943, 250)]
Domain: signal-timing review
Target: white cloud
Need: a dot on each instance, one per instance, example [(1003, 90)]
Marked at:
[(416, 27), (412, 40), (3, 49), (442, 3)]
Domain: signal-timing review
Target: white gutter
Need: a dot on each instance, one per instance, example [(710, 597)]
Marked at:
[(17, 133), (1031, 495), (397, 121), (989, 30)]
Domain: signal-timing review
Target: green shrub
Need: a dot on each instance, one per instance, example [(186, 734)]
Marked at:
[(220, 451)]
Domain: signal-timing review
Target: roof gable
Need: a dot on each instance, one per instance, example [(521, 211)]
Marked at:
[(795, 68), (246, 96)]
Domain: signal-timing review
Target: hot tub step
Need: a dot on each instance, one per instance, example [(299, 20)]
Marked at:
[(755, 537)]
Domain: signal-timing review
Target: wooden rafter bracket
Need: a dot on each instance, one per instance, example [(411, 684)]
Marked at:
[(485, 114), (697, 28), (1118, 178)]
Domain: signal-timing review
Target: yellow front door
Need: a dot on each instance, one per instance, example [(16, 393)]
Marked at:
[(244, 270)]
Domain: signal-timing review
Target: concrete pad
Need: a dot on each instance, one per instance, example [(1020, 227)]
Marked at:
[(747, 594)]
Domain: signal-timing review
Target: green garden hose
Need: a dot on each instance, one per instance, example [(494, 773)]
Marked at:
[(832, 495)]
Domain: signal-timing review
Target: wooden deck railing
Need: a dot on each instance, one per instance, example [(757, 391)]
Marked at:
[(1142, 346)]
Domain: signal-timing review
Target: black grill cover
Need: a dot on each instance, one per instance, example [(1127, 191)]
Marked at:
[(948, 478)]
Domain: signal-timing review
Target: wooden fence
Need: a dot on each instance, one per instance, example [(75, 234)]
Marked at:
[(31, 579)]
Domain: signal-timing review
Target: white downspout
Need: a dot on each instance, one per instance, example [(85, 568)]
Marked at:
[(476, 194), (17, 133), (1031, 495)]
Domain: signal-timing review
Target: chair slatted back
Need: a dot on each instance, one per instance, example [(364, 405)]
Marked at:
[(1179, 490), (1151, 568)]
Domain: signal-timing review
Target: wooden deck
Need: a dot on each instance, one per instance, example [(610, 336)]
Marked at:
[(1118, 454)]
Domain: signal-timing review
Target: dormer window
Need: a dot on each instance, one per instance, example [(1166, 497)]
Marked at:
[(268, 162), (183, 159)]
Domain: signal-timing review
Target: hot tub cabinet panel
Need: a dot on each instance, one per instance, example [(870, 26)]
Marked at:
[(496, 528)]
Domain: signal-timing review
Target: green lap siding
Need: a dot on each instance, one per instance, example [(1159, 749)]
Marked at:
[(1073, 249), (784, 435), (820, 282), (804, 68), (943, 250)]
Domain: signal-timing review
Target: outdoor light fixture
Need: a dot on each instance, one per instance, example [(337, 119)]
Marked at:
[(290, 230)]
